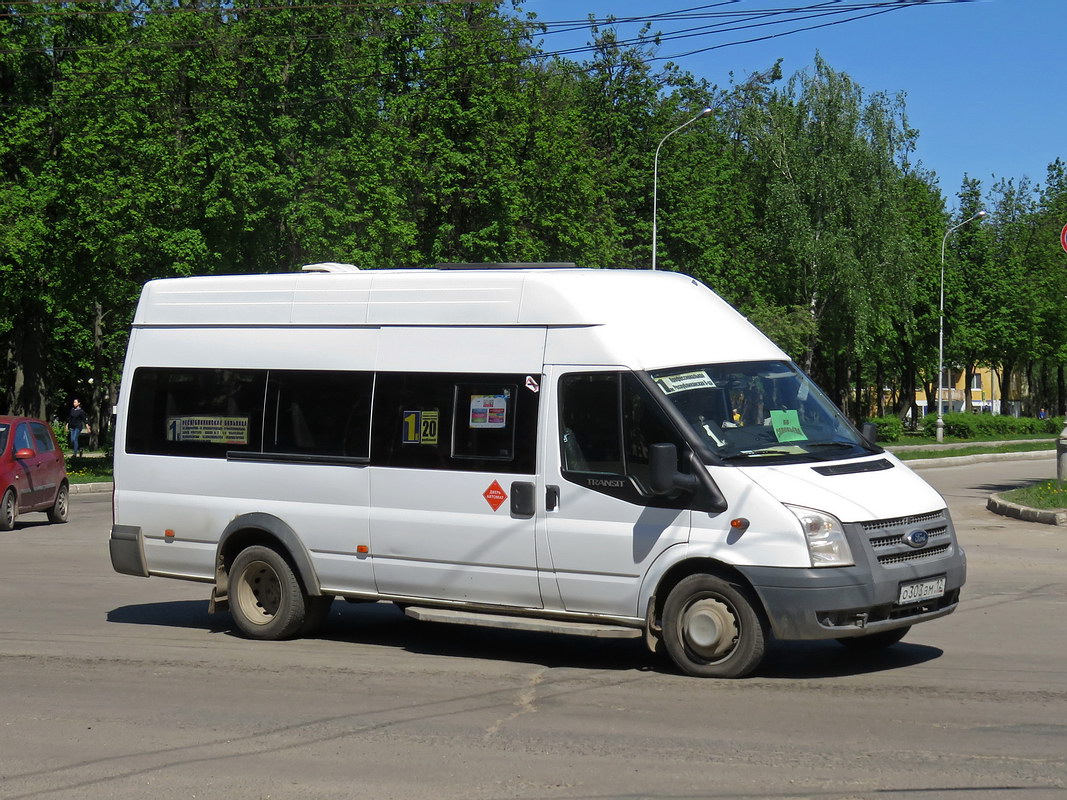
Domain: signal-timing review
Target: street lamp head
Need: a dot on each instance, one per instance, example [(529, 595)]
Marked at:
[(705, 113), (981, 213)]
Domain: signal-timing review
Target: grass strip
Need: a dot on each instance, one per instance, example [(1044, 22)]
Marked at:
[(978, 449), (1047, 495)]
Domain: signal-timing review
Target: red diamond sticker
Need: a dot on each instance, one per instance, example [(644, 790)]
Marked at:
[(494, 495)]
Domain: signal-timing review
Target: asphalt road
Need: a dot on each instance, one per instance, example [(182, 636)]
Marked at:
[(113, 686)]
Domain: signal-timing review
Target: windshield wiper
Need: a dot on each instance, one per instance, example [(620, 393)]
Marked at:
[(747, 453), (830, 444)]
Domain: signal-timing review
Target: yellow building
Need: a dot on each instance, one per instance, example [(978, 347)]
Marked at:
[(985, 392)]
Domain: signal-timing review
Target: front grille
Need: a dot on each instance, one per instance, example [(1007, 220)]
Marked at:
[(884, 538), (900, 522), (887, 541), (913, 555)]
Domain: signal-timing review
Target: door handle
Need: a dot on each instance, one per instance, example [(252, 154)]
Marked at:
[(551, 498), (523, 503)]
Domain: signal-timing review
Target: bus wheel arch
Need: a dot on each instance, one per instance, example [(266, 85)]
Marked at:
[(709, 620), (267, 530)]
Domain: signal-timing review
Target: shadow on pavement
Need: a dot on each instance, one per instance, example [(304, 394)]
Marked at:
[(989, 488), (173, 614), (384, 625)]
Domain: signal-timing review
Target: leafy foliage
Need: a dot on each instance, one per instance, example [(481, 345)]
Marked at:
[(150, 138)]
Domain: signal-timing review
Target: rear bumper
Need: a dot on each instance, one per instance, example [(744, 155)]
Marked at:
[(127, 550)]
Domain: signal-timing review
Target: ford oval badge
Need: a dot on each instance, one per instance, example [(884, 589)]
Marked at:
[(916, 538)]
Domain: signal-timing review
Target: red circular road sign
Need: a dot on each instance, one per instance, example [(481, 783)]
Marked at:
[(1063, 237)]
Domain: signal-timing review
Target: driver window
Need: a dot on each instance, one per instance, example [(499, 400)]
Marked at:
[(22, 438), (608, 421)]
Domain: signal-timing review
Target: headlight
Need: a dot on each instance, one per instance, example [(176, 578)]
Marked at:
[(827, 545)]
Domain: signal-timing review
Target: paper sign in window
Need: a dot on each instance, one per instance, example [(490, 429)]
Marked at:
[(786, 426), (215, 430), (685, 381), (489, 411)]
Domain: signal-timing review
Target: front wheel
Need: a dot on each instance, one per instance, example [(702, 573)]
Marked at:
[(875, 641), (266, 599), (712, 629), (60, 510), (8, 511)]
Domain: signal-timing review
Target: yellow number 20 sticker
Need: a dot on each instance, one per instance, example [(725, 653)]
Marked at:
[(420, 427)]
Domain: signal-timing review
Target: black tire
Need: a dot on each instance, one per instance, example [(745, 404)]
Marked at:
[(712, 628), (60, 510), (266, 599), (875, 641), (8, 510), (316, 610)]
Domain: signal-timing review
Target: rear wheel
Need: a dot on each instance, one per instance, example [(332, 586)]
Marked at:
[(60, 510), (875, 641), (266, 599), (712, 629), (8, 511)]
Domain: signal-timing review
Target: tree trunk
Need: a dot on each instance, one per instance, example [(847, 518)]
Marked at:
[(968, 381), (99, 402), (26, 360)]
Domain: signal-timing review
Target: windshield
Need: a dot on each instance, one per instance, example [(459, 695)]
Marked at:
[(760, 412)]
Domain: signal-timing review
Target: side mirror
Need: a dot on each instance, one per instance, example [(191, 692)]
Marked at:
[(664, 476), (24, 453), (869, 432)]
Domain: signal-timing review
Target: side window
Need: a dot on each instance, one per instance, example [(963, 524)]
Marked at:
[(467, 422), (195, 412), (42, 438), (412, 420), (590, 423), (607, 423), (484, 426), (645, 423), (318, 413), (23, 440)]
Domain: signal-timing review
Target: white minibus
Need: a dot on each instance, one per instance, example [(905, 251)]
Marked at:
[(609, 453)]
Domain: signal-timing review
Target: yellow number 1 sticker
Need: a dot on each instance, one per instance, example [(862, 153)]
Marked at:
[(420, 427)]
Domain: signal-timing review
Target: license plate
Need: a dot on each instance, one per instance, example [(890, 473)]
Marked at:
[(921, 590)]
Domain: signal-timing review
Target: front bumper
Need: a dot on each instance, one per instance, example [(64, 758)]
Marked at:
[(840, 602)]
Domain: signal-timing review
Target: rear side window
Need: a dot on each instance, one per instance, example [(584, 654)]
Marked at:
[(319, 413), (42, 438), (3, 437), (468, 422), (196, 412)]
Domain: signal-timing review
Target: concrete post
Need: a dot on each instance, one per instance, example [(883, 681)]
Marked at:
[(1061, 455)]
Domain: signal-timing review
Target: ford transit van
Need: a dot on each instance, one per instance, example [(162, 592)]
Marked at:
[(606, 453)]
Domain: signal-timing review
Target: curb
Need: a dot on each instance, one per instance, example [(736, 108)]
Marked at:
[(955, 461), (1008, 509), (91, 488)]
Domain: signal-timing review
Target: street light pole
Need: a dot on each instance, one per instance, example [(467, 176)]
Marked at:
[(655, 176), (941, 330)]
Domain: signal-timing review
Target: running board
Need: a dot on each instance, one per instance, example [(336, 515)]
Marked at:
[(448, 615)]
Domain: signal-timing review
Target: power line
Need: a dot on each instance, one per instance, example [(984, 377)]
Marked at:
[(423, 71)]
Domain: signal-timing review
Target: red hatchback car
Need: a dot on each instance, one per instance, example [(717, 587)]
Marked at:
[(33, 474)]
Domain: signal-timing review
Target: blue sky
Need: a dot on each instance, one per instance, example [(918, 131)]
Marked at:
[(986, 81)]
